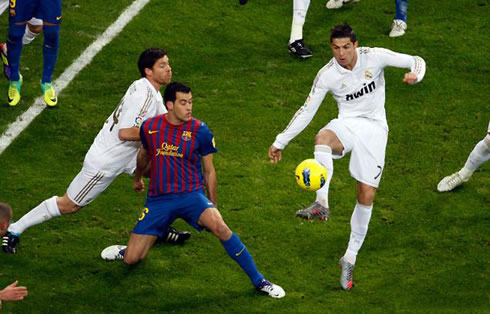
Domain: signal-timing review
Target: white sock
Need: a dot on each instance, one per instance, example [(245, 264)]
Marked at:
[(479, 155), (41, 213), (29, 36), (323, 154), (359, 226), (300, 8)]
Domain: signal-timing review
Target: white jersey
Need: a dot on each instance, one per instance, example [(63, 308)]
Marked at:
[(359, 93), (4, 4), (110, 154)]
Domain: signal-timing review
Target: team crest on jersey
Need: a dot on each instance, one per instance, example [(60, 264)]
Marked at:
[(368, 75), (186, 135)]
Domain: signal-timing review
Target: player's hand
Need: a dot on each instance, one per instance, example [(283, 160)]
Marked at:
[(410, 78), (275, 154), (13, 293), (138, 185)]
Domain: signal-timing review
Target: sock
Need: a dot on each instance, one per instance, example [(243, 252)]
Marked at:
[(359, 226), (238, 252), (323, 154), (41, 213), (14, 44), (401, 10), (29, 36), (50, 50), (479, 155), (300, 8)]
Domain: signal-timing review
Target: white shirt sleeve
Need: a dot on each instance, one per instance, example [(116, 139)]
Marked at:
[(304, 115), (387, 57)]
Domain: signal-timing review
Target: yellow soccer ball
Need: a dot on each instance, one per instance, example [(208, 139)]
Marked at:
[(311, 175)]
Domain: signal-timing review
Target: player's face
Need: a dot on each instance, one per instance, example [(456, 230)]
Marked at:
[(161, 71), (182, 107), (344, 51)]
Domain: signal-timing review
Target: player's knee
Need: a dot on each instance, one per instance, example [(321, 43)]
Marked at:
[(51, 35), (366, 196), (222, 231), (131, 260), (16, 32)]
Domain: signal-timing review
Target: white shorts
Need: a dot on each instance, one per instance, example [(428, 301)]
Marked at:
[(366, 139), (88, 184)]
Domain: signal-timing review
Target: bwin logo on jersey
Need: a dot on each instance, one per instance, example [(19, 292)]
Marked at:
[(364, 90)]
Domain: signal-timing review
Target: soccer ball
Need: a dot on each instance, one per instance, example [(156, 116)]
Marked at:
[(311, 175)]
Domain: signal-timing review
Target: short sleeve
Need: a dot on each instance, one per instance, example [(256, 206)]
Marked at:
[(207, 144)]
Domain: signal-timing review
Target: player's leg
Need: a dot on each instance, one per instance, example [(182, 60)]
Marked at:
[(327, 144), (211, 219), (138, 247), (296, 45), (50, 13), (33, 29), (399, 25), (479, 155)]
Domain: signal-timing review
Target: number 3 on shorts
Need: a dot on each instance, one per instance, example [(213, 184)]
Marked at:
[(143, 214)]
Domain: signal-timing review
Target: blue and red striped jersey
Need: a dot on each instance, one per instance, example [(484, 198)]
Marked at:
[(176, 152)]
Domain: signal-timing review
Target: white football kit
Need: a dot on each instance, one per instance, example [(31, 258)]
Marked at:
[(361, 125), (109, 156)]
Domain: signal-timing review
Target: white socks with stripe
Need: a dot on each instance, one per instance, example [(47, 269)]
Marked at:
[(479, 155), (300, 8), (359, 226), (323, 154), (41, 213)]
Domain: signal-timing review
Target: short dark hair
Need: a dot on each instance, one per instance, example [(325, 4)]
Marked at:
[(148, 58), (5, 212), (172, 89), (343, 31)]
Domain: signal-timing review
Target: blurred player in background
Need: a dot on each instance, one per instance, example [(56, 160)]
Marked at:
[(113, 151), (355, 77), (399, 25), (33, 29), (296, 45), (336, 4), (180, 150), (479, 155), (20, 12)]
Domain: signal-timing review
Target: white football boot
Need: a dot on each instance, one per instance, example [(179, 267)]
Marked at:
[(113, 252), (271, 289), (398, 28), (337, 4), (450, 182)]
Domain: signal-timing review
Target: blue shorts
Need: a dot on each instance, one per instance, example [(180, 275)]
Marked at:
[(46, 10), (161, 211)]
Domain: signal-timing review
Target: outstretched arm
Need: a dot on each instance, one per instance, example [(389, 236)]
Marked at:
[(415, 63)]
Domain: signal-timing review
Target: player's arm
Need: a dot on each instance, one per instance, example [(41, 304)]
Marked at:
[(400, 60), (210, 178), (129, 134), (300, 120), (142, 162)]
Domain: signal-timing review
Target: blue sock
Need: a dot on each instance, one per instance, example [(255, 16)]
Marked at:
[(401, 10), (238, 251), (50, 50), (14, 48)]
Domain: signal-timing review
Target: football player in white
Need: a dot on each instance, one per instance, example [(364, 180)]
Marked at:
[(33, 29), (479, 155), (296, 45), (355, 77), (113, 151)]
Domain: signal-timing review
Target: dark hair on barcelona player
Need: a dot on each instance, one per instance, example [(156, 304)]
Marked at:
[(172, 89)]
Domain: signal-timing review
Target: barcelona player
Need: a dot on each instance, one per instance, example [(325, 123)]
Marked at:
[(180, 150), (20, 12)]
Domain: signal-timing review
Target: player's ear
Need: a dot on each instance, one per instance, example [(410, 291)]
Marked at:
[(148, 72), (356, 44), (169, 105)]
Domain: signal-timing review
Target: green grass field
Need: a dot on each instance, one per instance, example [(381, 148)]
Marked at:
[(425, 251)]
